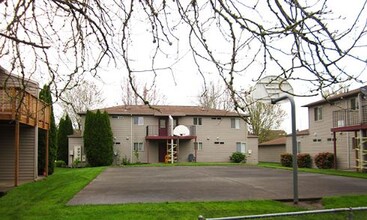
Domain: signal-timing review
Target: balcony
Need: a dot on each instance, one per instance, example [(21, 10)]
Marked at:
[(16, 104), (348, 118), (153, 132)]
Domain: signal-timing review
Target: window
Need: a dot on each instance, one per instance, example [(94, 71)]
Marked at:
[(138, 120), (200, 146), (139, 146), (117, 116), (216, 118), (298, 146), (241, 147), (318, 113), (354, 105), (197, 121), (235, 123)]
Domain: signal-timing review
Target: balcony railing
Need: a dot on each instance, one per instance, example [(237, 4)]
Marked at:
[(154, 130), (16, 104), (349, 117)]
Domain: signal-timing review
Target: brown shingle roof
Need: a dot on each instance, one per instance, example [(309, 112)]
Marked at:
[(277, 141), (337, 97), (165, 110)]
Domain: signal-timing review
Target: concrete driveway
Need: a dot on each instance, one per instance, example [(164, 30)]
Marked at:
[(210, 183)]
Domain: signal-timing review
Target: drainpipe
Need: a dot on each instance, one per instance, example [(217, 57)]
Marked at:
[(131, 137), (348, 152)]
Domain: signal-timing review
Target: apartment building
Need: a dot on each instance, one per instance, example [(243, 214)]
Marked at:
[(173, 134)]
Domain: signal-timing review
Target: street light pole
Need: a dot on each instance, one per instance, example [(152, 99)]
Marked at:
[(294, 144)]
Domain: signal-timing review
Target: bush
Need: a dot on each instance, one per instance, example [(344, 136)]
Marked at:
[(238, 157), (304, 160), (286, 160), (324, 160), (126, 161), (60, 163)]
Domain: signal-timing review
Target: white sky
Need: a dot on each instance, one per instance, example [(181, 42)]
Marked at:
[(182, 85)]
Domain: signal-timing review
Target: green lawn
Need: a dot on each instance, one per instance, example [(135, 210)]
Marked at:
[(47, 200)]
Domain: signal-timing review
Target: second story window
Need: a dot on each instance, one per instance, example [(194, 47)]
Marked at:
[(197, 121), (318, 113), (354, 105), (235, 123), (138, 120)]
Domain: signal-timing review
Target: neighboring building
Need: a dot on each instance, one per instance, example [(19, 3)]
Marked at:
[(270, 151), (338, 125), (209, 135), (21, 114)]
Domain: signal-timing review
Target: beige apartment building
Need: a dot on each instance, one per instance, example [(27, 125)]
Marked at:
[(338, 125), (173, 134)]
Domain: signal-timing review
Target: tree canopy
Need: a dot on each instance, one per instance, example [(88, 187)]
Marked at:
[(311, 42), (263, 119), (84, 96)]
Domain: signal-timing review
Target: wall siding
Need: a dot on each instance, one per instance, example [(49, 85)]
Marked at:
[(271, 153), (253, 143), (27, 163)]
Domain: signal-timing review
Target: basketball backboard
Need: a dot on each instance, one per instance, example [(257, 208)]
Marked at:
[(271, 87)]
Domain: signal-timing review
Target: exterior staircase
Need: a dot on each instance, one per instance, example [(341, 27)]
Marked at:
[(170, 148), (361, 152)]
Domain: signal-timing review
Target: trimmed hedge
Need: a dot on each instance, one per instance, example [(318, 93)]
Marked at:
[(324, 160), (238, 157), (286, 160), (304, 160)]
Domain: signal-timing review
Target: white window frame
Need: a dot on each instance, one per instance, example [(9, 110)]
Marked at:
[(241, 147), (138, 146), (138, 120), (318, 113), (200, 146), (354, 104), (235, 123)]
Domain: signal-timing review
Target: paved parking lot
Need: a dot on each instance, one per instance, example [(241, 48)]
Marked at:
[(209, 183)]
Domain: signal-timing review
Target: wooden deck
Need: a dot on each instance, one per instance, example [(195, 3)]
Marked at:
[(17, 104)]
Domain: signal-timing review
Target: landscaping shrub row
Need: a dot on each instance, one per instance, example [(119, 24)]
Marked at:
[(323, 160)]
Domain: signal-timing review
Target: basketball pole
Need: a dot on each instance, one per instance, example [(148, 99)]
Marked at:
[(294, 144)]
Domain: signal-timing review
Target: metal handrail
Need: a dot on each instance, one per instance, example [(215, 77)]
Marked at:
[(322, 211)]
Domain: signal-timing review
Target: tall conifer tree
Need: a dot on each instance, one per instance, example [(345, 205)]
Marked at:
[(98, 139), (65, 129), (45, 95)]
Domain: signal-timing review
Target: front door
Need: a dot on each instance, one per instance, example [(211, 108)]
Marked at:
[(162, 151), (163, 124)]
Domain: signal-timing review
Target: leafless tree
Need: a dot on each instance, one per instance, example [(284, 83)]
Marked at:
[(148, 94), (82, 97), (294, 39), (215, 96), (263, 118)]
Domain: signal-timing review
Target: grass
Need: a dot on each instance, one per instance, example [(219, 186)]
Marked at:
[(313, 170), (47, 200)]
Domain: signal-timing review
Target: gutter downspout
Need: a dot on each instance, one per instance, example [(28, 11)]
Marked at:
[(131, 137)]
